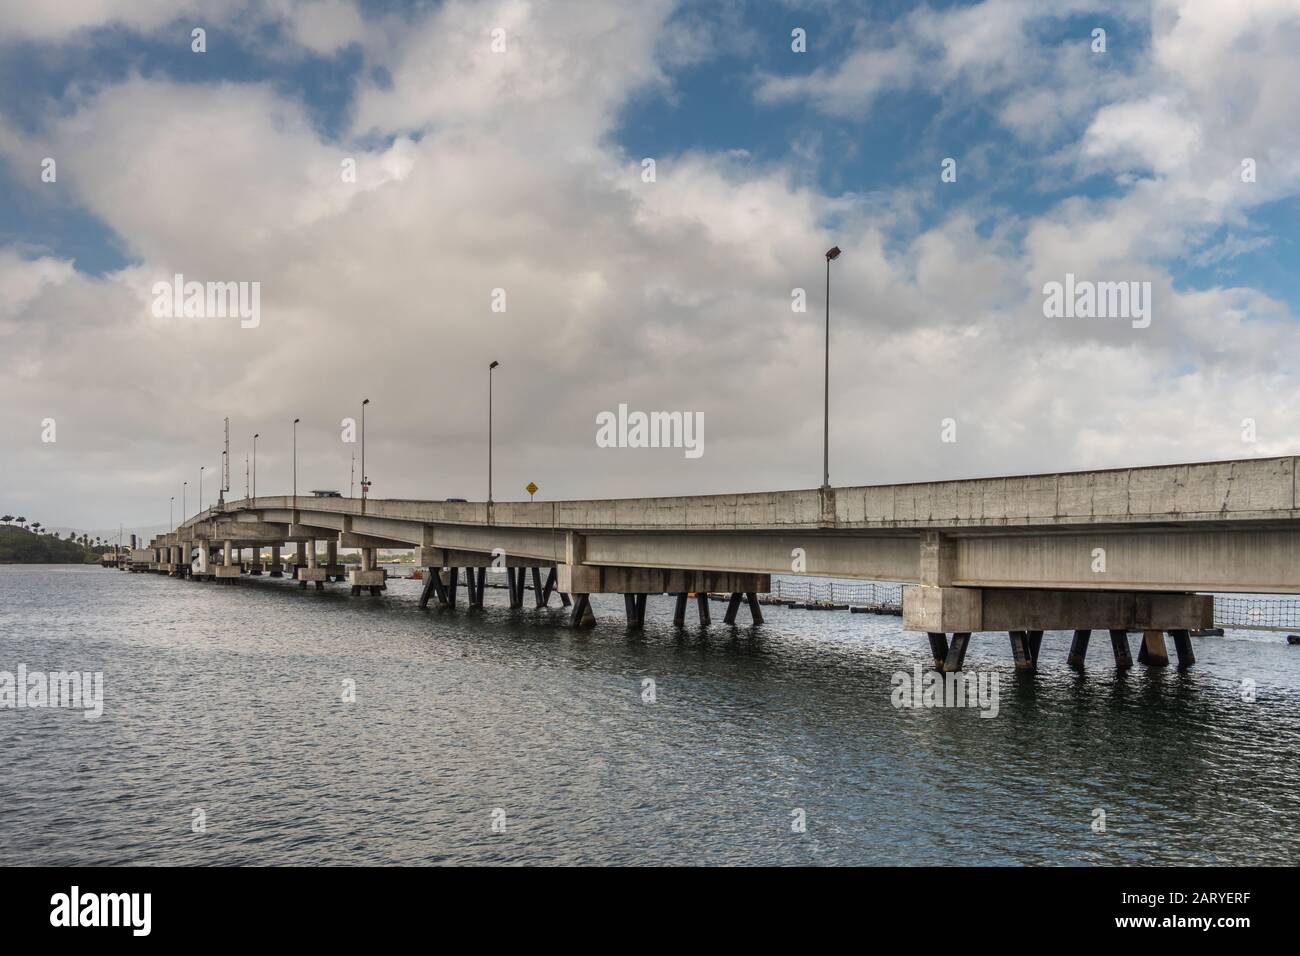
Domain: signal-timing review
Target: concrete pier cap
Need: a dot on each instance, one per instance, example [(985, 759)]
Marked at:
[(953, 609)]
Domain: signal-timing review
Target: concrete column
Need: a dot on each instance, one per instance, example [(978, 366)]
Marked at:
[(1020, 650), (276, 567), (311, 553), (938, 648), (1119, 644), (300, 552), (733, 605), (226, 553), (1183, 644), (1152, 651), (331, 553), (1078, 649), (938, 559), (679, 610), (956, 658)]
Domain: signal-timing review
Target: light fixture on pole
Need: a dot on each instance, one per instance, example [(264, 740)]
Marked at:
[(184, 488), (365, 482), (171, 513), (295, 463), (201, 467), (255, 437), (831, 253), (490, 368)]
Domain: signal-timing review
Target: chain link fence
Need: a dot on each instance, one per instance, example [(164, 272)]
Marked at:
[(1257, 613), (829, 592)]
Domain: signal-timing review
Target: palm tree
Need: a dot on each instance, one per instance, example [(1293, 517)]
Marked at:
[(6, 518), (36, 527), (21, 521)]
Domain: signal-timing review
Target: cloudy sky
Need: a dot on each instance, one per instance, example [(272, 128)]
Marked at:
[(502, 146)]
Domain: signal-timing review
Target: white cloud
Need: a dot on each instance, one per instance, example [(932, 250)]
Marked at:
[(667, 295)]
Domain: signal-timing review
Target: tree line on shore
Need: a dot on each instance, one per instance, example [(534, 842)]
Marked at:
[(29, 542)]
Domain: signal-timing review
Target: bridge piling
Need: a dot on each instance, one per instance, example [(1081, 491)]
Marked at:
[(1035, 639), (755, 613), (277, 569), (702, 605), (582, 615), (956, 656), (453, 579), (1119, 644), (1152, 651), (938, 648), (1021, 650), (1183, 645), (679, 611), (733, 605), (1079, 649)]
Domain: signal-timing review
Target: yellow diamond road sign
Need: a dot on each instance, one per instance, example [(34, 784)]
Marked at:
[(531, 488)]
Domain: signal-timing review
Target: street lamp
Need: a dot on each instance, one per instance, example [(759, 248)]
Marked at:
[(832, 253), (255, 437), (184, 487), (490, 368), (201, 467), (295, 462), (365, 482), (171, 513)]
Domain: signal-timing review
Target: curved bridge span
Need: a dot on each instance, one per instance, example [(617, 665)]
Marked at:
[(1119, 549)]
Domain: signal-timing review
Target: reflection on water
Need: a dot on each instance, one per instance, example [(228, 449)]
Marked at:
[(230, 699)]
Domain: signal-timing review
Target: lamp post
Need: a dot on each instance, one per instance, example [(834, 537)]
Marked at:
[(490, 368), (171, 516), (295, 463), (832, 253), (201, 467), (184, 487), (365, 482), (255, 468)]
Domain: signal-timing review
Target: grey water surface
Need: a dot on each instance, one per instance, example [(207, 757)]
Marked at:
[(231, 701)]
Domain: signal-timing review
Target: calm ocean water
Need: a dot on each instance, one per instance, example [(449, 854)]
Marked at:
[(230, 700)]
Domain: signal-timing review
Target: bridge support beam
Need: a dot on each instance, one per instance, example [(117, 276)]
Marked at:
[(516, 580), (433, 587), (634, 604), (277, 569), (1078, 648), (956, 657), (1152, 651), (702, 606), (1020, 650), (679, 611), (938, 648), (949, 610), (1183, 644), (1119, 644), (582, 615)]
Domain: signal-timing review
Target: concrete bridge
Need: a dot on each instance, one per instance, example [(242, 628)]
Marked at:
[(1118, 550)]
